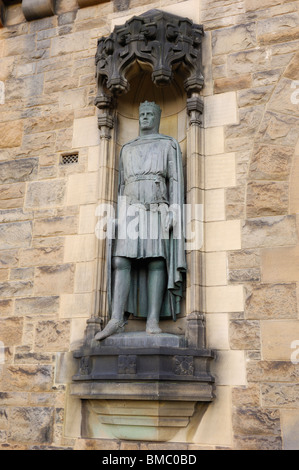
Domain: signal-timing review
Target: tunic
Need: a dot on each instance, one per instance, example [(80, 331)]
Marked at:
[(147, 171), (150, 182)]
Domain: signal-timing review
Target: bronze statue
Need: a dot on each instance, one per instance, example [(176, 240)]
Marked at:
[(146, 266)]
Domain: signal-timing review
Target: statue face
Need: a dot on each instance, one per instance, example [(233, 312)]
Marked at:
[(148, 119)]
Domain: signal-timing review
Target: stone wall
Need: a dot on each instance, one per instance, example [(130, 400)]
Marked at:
[(250, 191)]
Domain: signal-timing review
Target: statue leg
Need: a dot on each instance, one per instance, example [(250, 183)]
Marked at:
[(121, 289), (157, 279)]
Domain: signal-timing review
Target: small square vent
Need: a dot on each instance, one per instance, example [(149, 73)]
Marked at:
[(69, 158)]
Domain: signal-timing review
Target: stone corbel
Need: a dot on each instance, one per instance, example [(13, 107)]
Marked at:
[(35, 9)]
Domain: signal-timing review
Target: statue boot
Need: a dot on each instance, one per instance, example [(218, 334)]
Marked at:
[(122, 271), (156, 290)]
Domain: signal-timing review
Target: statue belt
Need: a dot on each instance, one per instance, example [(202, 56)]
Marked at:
[(155, 178)]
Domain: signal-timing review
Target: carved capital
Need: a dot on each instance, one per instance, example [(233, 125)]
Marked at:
[(156, 38), (195, 108)]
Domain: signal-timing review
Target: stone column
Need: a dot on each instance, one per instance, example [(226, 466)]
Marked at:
[(194, 227), (106, 186)]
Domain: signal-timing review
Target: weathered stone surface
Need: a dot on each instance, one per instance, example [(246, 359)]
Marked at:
[(272, 371), (258, 442), (16, 288), (54, 226), (245, 275), (11, 331), (9, 258), (52, 335), (45, 194), (37, 305), (16, 235), (243, 259), (5, 307), (21, 274), (267, 199), (255, 96), (41, 256), (223, 85), (234, 39), (31, 425), (30, 378), (292, 70), (54, 279), (279, 340), (11, 134), (281, 129), (280, 395), (246, 396), (250, 119), (290, 429), (12, 191), (268, 301), (244, 334), (271, 163), (24, 169), (269, 232), (256, 421), (282, 98)]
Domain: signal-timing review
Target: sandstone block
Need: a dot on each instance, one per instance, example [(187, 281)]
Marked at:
[(280, 395), (51, 280), (224, 85), (267, 199), (11, 134), (290, 429), (272, 371), (269, 232), (52, 335), (12, 191), (9, 258), (11, 331), (258, 442), (271, 163), (45, 194), (268, 301), (55, 226), (244, 334), (234, 39), (24, 169), (41, 256), (256, 421), (280, 129), (27, 378), (16, 288), (221, 110), (6, 308), (243, 259), (37, 305), (32, 425), (278, 338), (245, 275), (15, 235), (246, 396)]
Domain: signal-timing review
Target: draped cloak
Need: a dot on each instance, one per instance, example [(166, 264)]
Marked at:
[(150, 178)]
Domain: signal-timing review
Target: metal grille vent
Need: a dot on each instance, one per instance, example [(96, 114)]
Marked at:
[(69, 159)]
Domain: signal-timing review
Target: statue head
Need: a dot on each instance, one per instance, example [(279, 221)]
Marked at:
[(149, 117)]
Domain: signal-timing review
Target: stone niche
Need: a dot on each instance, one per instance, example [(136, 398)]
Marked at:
[(133, 385)]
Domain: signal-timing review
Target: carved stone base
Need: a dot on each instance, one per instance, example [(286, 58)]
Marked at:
[(139, 386)]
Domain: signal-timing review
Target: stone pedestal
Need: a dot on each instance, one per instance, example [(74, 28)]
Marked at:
[(136, 381)]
